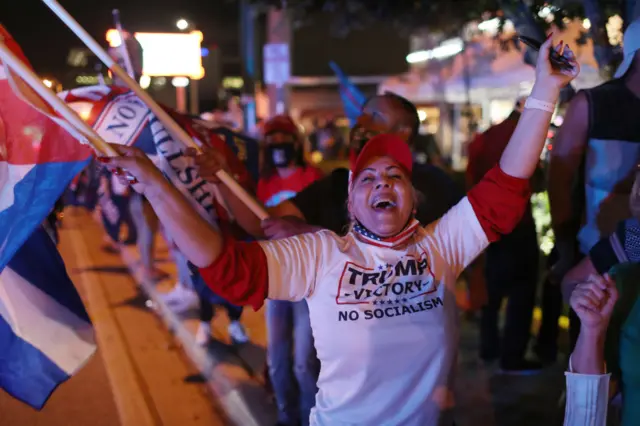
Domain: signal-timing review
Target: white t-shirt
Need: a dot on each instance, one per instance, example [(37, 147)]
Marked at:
[(384, 320)]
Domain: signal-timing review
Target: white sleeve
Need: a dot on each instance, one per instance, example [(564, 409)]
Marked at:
[(293, 265), (458, 236), (587, 399)]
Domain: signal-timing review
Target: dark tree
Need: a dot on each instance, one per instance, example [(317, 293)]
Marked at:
[(447, 17), (442, 15)]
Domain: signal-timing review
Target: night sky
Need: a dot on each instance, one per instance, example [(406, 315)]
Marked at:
[(378, 50), (46, 40)]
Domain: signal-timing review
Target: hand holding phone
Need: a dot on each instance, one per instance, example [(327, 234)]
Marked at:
[(557, 61)]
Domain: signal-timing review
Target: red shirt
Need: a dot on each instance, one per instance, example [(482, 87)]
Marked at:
[(274, 189), (486, 149)]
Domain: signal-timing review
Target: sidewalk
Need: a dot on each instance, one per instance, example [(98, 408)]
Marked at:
[(232, 372), (146, 380)]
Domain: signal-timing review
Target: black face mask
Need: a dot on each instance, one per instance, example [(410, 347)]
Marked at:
[(281, 154)]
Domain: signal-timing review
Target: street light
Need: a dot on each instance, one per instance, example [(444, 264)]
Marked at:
[(182, 24), (48, 83)]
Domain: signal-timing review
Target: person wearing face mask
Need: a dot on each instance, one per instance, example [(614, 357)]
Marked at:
[(284, 174), (322, 205)]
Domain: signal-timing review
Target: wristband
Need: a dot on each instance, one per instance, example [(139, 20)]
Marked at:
[(533, 103)]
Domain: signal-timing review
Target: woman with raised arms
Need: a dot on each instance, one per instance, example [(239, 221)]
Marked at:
[(381, 298)]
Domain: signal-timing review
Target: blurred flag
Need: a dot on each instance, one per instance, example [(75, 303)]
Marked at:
[(240, 152), (245, 148), (38, 157), (45, 332), (119, 116), (352, 97)]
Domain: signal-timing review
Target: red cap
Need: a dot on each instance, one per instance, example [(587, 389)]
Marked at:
[(385, 145), (281, 123)]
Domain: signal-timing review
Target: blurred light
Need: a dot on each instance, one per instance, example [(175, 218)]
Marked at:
[(160, 81), (447, 49), (83, 109), (586, 24), (145, 81), (614, 29), (316, 157), (87, 80), (544, 12), (180, 81), (182, 24), (172, 54), (208, 116), (422, 114), (232, 82), (113, 38), (204, 52), (558, 120), (421, 158), (47, 83), (563, 320), (490, 25), (550, 147)]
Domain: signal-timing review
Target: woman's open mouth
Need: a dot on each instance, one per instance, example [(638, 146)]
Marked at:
[(383, 204)]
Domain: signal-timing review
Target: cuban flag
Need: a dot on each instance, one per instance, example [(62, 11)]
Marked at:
[(45, 332), (39, 156), (352, 97)]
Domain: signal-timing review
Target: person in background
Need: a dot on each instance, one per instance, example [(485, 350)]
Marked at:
[(217, 148), (511, 268), (284, 174), (619, 255), (426, 151), (599, 143), (323, 204), (115, 212), (587, 379), (144, 218), (53, 219)]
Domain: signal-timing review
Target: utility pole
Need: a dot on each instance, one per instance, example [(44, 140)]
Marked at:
[(249, 64), (279, 33)]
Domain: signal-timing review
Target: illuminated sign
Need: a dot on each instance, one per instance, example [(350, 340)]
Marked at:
[(90, 80), (232, 82), (168, 54)]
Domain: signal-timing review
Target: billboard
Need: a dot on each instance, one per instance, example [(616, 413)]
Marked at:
[(168, 54)]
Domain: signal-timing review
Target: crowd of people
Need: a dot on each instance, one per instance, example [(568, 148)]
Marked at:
[(357, 269)]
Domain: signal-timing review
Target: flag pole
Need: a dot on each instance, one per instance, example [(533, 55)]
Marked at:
[(34, 82), (159, 112), (123, 45)]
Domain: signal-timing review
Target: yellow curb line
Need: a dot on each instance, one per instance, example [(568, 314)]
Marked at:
[(132, 407)]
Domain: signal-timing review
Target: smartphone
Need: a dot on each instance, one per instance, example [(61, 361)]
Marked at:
[(558, 61)]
